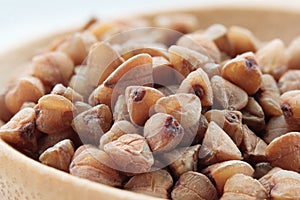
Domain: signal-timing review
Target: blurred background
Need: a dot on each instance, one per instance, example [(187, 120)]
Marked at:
[(22, 21)]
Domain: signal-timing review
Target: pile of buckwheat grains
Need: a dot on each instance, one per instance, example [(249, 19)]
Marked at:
[(161, 108)]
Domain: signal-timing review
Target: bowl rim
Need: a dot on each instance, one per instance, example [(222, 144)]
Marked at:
[(15, 155)]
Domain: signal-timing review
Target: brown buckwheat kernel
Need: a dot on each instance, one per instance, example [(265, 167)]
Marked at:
[(118, 129), (278, 126), (163, 132), (77, 46), (201, 43), (140, 100), (290, 80), (194, 185), (241, 40), (135, 71), (90, 125), (185, 60), (284, 151), (293, 52), (68, 92), (26, 89), (197, 82), (102, 61), (120, 111), (94, 164), (244, 72), (217, 146), (290, 104), (59, 156), (285, 185), (20, 131), (219, 173), (268, 96), (252, 146), (156, 183), (54, 114), (226, 95), (247, 188), (253, 115), (182, 160), (130, 153), (52, 68), (229, 121), (272, 59)]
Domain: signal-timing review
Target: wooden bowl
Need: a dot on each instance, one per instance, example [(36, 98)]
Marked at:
[(24, 178)]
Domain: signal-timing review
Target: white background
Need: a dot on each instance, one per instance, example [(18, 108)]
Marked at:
[(21, 21), (25, 20)]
